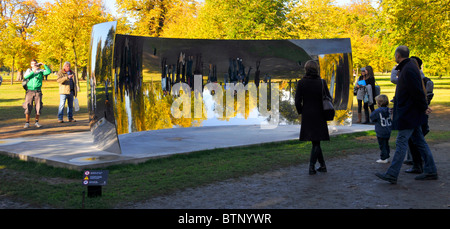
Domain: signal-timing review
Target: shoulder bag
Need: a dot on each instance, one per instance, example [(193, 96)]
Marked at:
[(328, 108)]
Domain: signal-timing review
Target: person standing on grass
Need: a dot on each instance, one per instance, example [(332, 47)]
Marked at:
[(370, 90), (34, 75), (410, 109), (309, 103), (360, 91), (68, 88)]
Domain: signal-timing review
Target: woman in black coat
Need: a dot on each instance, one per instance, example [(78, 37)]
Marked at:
[(371, 82), (308, 101)]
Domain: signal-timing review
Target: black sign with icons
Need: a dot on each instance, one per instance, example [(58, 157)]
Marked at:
[(95, 177)]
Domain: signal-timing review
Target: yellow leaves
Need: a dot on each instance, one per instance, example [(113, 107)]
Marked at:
[(65, 28), (47, 30), (16, 21)]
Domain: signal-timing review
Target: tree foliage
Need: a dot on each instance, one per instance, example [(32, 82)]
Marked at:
[(60, 30), (423, 26), (17, 18), (64, 29), (150, 15), (52, 32)]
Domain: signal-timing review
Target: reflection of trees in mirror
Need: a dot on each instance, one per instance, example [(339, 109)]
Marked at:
[(151, 111), (337, 70), (288, 112), (128, 65), (154, 112), (100, 100)]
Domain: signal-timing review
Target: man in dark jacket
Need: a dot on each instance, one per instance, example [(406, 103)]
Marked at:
[(410, 108)]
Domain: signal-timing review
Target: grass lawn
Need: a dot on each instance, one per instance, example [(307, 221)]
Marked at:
[(441, 88), (40, 184), (12, 97)]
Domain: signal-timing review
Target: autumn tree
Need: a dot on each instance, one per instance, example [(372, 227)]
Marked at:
[(17, 18), (64, 29), (423, 26), (150, 15), (360, 23), (60, 30), (231, 19), (181, 21), (314, 19)]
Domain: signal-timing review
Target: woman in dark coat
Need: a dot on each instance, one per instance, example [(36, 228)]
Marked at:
[(371, 82), (308, 101)]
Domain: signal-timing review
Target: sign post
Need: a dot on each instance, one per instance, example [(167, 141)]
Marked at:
[(94, 180)]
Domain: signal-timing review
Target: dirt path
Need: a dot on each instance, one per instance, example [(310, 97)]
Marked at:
[(16, 130), (349, 184)]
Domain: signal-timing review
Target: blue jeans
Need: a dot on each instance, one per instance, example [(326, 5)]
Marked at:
[(62, 103), (384, 148), (416, 136)]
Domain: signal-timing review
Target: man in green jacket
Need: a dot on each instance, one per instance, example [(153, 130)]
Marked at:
[(34, 75)]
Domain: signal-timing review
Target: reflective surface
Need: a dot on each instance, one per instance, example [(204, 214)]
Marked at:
[(144, 83), (222, 65), (100, 86), (336, 69)]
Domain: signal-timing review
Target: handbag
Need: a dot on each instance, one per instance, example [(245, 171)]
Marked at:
[(377, 90), (76, 105), (366, 96), (328, 108)]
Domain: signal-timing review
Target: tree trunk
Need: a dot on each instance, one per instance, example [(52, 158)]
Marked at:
[(19, 75), (12, 71), (83, 75), (76, 60)]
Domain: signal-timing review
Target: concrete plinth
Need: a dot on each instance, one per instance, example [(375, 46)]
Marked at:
[(77, 151)]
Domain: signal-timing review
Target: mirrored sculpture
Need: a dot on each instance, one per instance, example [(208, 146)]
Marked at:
[(145, 83)]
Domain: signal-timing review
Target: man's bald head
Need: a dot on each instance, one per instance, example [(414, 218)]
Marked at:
[(401, 53)]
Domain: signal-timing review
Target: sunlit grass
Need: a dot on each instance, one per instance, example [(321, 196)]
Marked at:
[(441, 89), (13, 96)]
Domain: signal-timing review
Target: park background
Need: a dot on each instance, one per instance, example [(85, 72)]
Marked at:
[(57, 31)]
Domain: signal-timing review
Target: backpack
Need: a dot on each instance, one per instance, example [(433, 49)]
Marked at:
[(24, 83), (429, 86)]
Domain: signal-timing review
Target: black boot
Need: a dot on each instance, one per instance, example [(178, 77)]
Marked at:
[(322, 168), (416, 168), (312, 170), (313, 158), (367, 116)]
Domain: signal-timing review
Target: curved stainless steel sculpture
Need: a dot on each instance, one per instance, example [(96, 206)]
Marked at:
[(146, 83)]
